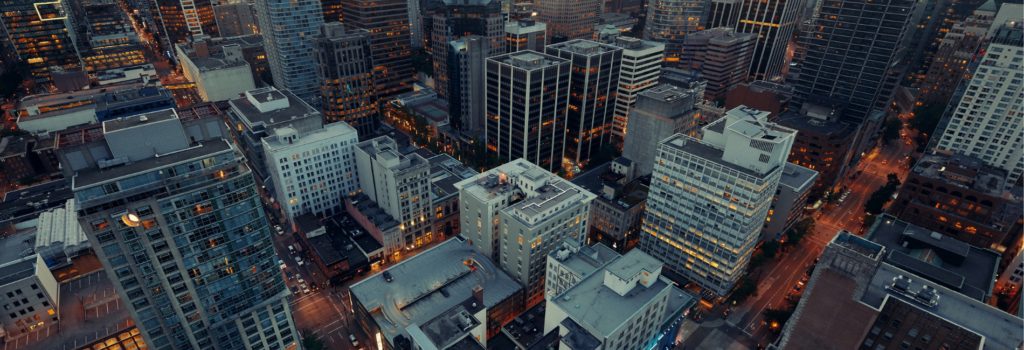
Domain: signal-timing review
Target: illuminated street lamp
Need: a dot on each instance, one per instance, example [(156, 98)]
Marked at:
[(130, 219)]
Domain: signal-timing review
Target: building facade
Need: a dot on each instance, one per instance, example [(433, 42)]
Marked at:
[(722, 56), (466, 63), (670, 21), (790, 199), (390, 40), (571, 19), (772, 25), (688, 224), (661, 112), (43, 36), (454, 20), (30, 296), (952, 58), (287, 28), (344, 70), (822, 144), (593, 87), (399, 184), (258, 113), (218, 76), (161, 230), (511, 110), (525, 34), (571, 262), (641, 66), (181, 19), (235, 19)]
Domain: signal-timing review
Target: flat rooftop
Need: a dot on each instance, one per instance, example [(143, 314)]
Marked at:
[(794, 120), (529, 60), (133, 121), (695, 147), (296, 108), (962, 171), (449, 327), (1000, 329), (368, 208), (831, 319), (91, 176), (555, 194), (528, 327), (797, 177), (583, 47), (938, 258), (413, 295), (587, 260), (18, 270)]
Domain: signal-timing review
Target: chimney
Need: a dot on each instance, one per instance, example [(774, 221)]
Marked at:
[(478, 294)]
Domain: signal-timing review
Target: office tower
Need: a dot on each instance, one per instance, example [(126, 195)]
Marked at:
[(772, 24), (670, 21), (331, 10), (235, 19), (721, 56), (594, 77), (641, 66), (219, 76), (724, 13), (29, 286), (938, 18), (257, 113), (710, 197), (466, 95), (478, 299), (626, 7), (573, 19), (961, 197), (455, 20), (851, 63), (287, 30), (659, 113), (41, 36), (628, 305), (860, 294), (415, 23), (520, 11), (162, 197), (344, 69), (426, 17), (952, 58), (822, 143), (528, 211), (511, 110), (525, 34), (399, 184), (987, 122), (388, 24), (181, 19), (790, 199)]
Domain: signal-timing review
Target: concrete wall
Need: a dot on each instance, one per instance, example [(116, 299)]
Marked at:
[(224, 84)]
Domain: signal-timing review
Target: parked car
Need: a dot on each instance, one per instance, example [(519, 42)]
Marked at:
[(295, 290), (304, 288), (298, 278), (281, 263), (796, 288), (298, 259), (352, 339), (288, 274), (291, 250)]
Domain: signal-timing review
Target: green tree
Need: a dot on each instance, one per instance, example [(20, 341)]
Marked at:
[(770, 248), (757, 259), (868, 220), (9, 84), (776, 318), (925, 120), (312, 341), (876, 202), (799, 231), (745, 288), (893, 125), (638, 29)]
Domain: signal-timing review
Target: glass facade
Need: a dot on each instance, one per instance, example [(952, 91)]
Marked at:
[(390, 35), (669, 21), (344, 68), (39, 33), (287, 28), (184, 18)]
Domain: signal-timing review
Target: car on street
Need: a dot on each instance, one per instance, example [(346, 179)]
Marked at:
[(298, 278), (796, 288), (281, 263), (280, 231), (298, 259), (291, 250), (304, 288), (352, 339), (288, 274), (295, 290), (803, 279)]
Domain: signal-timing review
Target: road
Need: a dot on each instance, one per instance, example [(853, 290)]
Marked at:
[(777, 278)]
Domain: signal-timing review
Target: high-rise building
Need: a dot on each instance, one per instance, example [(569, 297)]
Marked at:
[(987, 122), (287, 30), (388, 24), (203, 46), (344, 69), (670, 21), (851, 62), (790, 199), (626, 7), (258, 113), (466, 64), (522, 205), (659, 113), (641, 66), (332, 11), (162, 218), (822, 143), (219, 75), (235, 19), (616, 213), (952, 58), (772, 24), (525, 34), (181, 19), (594, 83), (573, 19), (938, 18), (400, 185), (516, 126), (724, 13), (570, 263), (454, 20), (688, 225), (42, 35), (722, 56)]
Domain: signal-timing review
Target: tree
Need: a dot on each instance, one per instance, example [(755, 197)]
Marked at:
[(745, 288), (9, 84), (605, 154), (876, 202), (893, 125), (770, 248), (776, 318), (757, 260), (638, 29), (801, 229), (925, 120), (312, 341), (867, 220)]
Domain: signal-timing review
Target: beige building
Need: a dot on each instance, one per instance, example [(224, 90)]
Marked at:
[(399, 184), (28, 293), (573, 19)]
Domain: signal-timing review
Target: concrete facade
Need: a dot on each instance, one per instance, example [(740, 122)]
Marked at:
[(790, 199), (525, 34), (659, 113), (344, 69), (220, 77), (400, 185), (29, 294)]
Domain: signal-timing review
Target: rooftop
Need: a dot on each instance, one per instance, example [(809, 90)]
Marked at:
[(938, 258), (525, 26), (1000, 329), (797, 177), (452, 325), (528, 327), (12, 146), (33, 200), (17, 270), (267, 112), (577, 337), (805, 122), (326, 132), (387, 152), (962, 171), (373, 212), (136, 120), (556, 193), (831, 319), (413, 295), (91, 176), (583, 47), (445, 172), (586, 260), (100, 99), (695, 147), (529, 60), (432, 111)]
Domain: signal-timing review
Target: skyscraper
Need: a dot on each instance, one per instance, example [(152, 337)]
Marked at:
[(659, 113), (709, 198), (951, 59), (287, 28), (525, 34), (466, 96), (670, 21), (181, 19), (526, 117), (235, 19), (594, 82), (388, 24), (40, 34), (178, 225), (722, 56), (400, 185), (344, 70), (573, 19), (773, 23), (455, 19), (641, 66), (987, 122)]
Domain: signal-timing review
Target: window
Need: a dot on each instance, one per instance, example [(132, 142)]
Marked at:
[(887, 336), (905, 345), (895, 324)]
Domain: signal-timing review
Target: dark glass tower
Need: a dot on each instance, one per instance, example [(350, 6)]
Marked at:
[(388, 24), (39, 33), (344, 68)]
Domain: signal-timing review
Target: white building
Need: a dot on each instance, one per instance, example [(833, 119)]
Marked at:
[(30, 292), (217, 77), (572, 262), (400, 185), (987, 122), (641, 67), (529, 212), (709, 198), (623, 305), (313, 172)]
